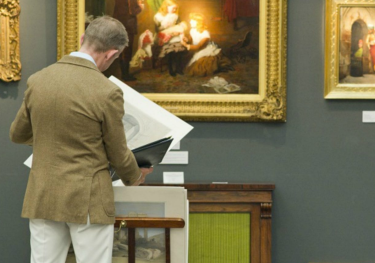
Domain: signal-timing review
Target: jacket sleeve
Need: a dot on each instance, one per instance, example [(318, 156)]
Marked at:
[(119, 155), (21, 129)]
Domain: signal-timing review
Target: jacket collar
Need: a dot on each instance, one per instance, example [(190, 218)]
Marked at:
[(78, 62)]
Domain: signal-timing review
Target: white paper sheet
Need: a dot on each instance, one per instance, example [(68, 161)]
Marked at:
[(29, 161), (149, 112), (176, 157)]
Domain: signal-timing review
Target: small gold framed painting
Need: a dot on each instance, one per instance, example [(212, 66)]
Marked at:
[(350, 49)]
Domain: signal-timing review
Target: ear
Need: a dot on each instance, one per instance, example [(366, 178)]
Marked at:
[(110, 53), (81, 39)]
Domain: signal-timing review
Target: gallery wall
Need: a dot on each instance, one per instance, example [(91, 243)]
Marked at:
[(321, 160)]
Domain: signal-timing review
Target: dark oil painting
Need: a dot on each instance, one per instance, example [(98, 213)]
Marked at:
[(357, 45), (186, 46)]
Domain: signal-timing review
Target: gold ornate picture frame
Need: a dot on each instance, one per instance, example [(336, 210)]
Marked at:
[(350, 49), (267, 105), (10, 65)]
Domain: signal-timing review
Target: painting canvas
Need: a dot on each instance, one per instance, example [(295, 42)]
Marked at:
[(350, 49), (357, 45), (186, 46), (150, 243)]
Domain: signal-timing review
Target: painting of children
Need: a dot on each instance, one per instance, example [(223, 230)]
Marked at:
[(207, 58), (169, 36), (192, 42)]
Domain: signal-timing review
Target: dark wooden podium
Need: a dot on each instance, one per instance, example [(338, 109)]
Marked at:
[(241, 214)]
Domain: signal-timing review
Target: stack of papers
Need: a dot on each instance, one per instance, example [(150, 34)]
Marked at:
[(152, 201)]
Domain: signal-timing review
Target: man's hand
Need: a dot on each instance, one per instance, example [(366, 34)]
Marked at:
[(142, 178)]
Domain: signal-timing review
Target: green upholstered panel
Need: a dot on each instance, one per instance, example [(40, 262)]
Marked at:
[(219, 237)]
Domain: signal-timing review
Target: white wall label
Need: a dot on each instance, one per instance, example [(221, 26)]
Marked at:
[(173, 177), (172, 157), (368, 116)]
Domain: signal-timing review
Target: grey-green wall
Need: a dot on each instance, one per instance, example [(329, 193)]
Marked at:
[(321, 160)]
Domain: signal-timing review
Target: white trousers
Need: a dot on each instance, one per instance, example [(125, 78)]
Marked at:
[(50, 241)]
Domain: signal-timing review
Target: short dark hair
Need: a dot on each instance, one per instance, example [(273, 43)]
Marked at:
[(105, 33)]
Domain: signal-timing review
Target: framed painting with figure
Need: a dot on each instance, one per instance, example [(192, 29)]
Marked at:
[(350, 50), (213, 60)]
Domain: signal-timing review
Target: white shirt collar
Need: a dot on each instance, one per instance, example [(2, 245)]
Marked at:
[(82, 55)]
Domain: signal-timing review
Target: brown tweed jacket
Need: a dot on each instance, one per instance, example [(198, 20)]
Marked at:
[(72, 116)]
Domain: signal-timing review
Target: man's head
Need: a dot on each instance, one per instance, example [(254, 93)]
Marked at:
[(105, 33), (104, 39)]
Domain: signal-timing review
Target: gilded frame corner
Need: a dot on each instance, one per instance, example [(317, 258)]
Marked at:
[(335, 68), (269, 105), (10, 64)]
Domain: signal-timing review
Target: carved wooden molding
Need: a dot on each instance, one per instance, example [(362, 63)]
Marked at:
[(10, 64), (266, 210)]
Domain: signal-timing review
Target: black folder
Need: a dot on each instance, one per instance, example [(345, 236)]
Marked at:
[(152, 153), (148, 154)]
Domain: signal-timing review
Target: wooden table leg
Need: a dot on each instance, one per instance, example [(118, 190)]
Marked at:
[(167, 245), (131, 245)]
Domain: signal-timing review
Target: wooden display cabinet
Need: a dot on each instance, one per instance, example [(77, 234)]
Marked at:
[(229, 222)]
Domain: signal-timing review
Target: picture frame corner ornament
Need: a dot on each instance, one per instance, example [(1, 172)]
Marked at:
[(10, 67)]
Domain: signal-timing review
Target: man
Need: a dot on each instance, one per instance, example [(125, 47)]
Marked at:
[(126, 12), (72, 116)]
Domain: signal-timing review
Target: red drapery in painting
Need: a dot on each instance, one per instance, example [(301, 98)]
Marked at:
[(241, 8)]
